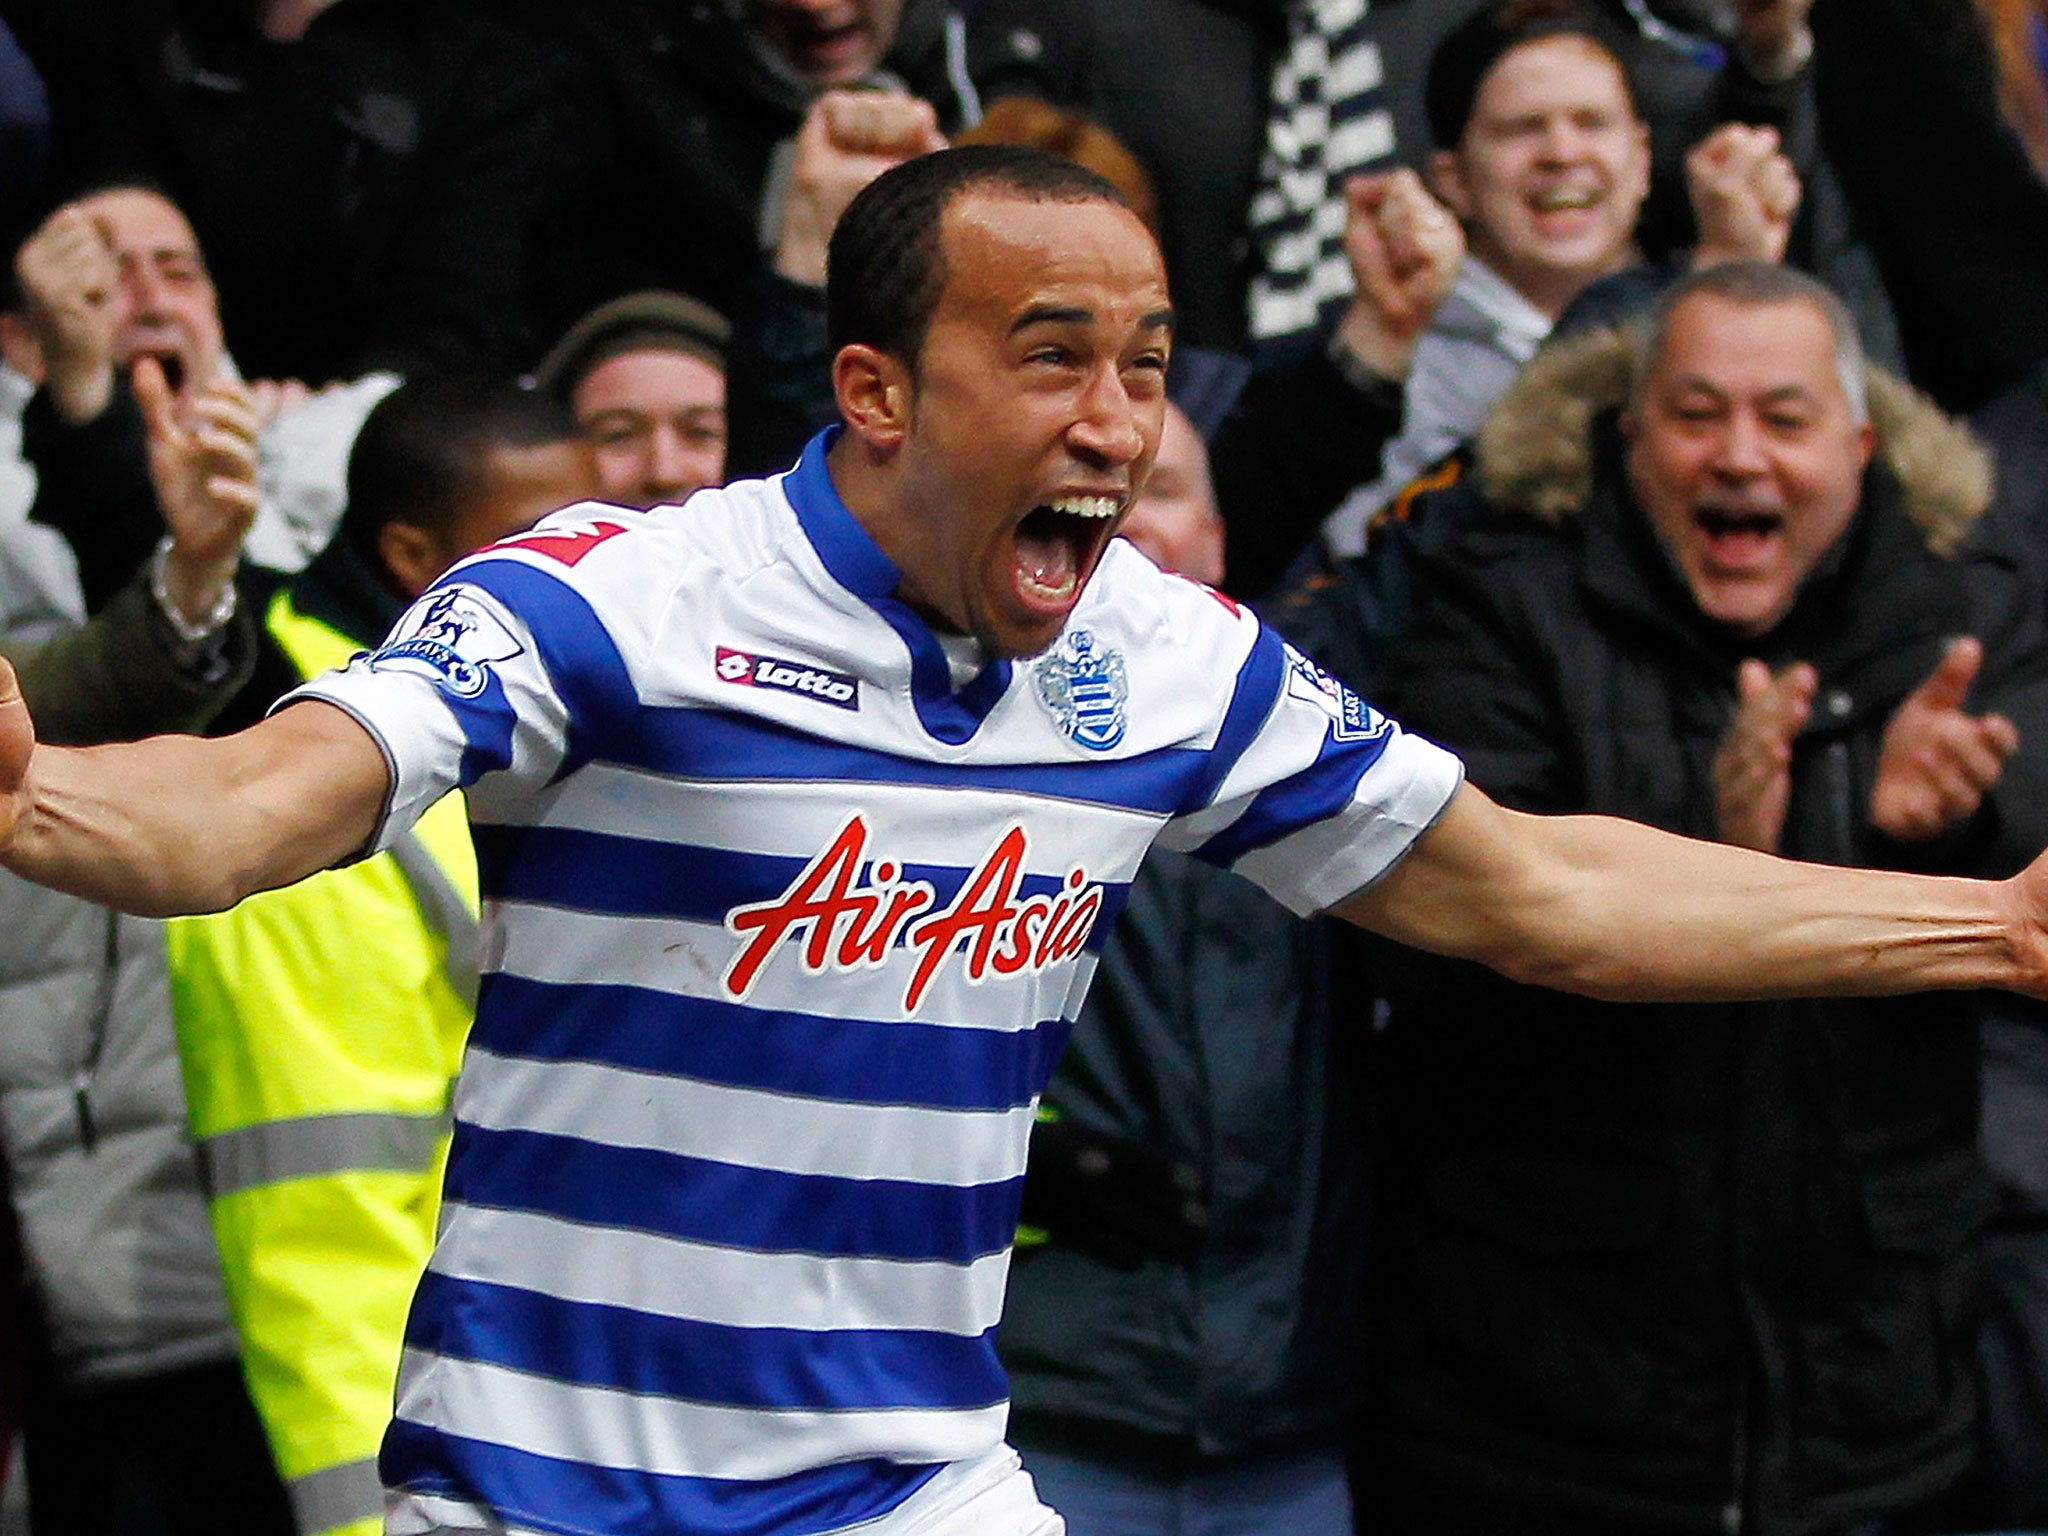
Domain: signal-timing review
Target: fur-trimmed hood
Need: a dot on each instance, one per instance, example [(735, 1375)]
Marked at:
[(1535, 450)]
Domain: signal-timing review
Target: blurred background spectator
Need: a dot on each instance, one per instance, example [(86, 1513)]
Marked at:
[(1652, 1269), (104, 283), (644, 377), (365, 176), (134, 1413), (684, 113), (1249, 114), (1545, 160), (1179, 1329)]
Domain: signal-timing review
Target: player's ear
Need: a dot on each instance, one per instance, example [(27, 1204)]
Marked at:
[(874, 392), (409, 555)]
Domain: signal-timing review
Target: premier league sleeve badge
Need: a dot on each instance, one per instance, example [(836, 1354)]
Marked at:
[(452, 638), (1082, 683)]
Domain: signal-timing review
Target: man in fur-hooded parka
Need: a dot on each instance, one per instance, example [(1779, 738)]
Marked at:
[(1704, 1268)]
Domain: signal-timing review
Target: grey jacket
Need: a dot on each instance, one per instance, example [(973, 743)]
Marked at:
[(92, 1108)]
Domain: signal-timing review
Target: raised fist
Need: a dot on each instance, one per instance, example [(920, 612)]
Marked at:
[(70, 293), (848, 139), (1744, 194), (1405, 249)]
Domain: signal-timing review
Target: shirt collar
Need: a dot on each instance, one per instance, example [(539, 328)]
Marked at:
[(854, 560)]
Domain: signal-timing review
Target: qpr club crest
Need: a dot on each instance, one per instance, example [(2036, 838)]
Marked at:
[(1082, 682), (451, 637)]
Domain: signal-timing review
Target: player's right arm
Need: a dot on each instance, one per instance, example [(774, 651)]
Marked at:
[(178, 824)]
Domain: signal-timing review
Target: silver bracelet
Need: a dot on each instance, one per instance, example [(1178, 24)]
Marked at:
[(187, 632)]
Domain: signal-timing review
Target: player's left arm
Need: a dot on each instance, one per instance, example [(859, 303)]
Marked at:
[(1614, 909)]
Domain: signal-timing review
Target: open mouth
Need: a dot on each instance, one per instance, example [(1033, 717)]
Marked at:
[(822, 45), (1565, 199), (1719, 522), (1058, 544), (1735, 536)]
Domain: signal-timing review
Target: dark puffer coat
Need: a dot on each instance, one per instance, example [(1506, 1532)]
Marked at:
[(1700, 1268)]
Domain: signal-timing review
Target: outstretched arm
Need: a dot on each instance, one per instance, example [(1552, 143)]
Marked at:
[(181, 824), (1617, 910)]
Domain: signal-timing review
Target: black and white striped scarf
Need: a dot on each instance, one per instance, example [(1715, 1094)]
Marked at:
[(1326, 120)]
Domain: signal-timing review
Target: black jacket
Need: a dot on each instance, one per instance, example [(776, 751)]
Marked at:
[(1654, 1265), (1206, 1039), (675, 123), (1938, 186), (366, 197)]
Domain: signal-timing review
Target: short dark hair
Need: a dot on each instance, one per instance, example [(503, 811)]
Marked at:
[(1462, 61), (885, 270), (419, 458)]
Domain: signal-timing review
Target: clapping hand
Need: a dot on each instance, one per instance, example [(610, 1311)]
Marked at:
[(202, 462), (1753, 768), (1938, 762)]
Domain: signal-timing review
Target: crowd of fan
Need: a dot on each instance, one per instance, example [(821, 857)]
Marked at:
[(312, 297)]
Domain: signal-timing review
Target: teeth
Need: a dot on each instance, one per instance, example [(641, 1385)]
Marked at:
[(1561, 197), (1087, 506)]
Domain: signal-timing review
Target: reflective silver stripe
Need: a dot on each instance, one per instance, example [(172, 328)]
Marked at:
[(317, 1144), (336, 1496), (445, 911), (956, 70)]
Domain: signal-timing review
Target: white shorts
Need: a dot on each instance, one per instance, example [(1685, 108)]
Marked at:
[(991, 1495)]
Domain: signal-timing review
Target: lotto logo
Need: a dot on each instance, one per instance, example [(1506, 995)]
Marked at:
[(848, 910), (750, 671)]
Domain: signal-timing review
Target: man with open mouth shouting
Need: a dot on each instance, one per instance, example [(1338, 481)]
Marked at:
[(114, 292), (800, 817), (1727, 585)]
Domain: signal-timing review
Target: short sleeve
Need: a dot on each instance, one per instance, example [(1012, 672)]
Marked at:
[(476, 687), (1310, 793)]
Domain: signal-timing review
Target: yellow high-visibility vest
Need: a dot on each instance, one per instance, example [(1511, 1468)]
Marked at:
[(320, 1028)]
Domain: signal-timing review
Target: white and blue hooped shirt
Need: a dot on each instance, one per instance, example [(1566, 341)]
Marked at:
[(783, 934)]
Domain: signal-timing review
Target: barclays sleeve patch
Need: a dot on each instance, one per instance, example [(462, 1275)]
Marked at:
[(452, 638), (1351, 718)]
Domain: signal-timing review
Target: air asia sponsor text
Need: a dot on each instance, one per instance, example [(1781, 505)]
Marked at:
[(849, 914)]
